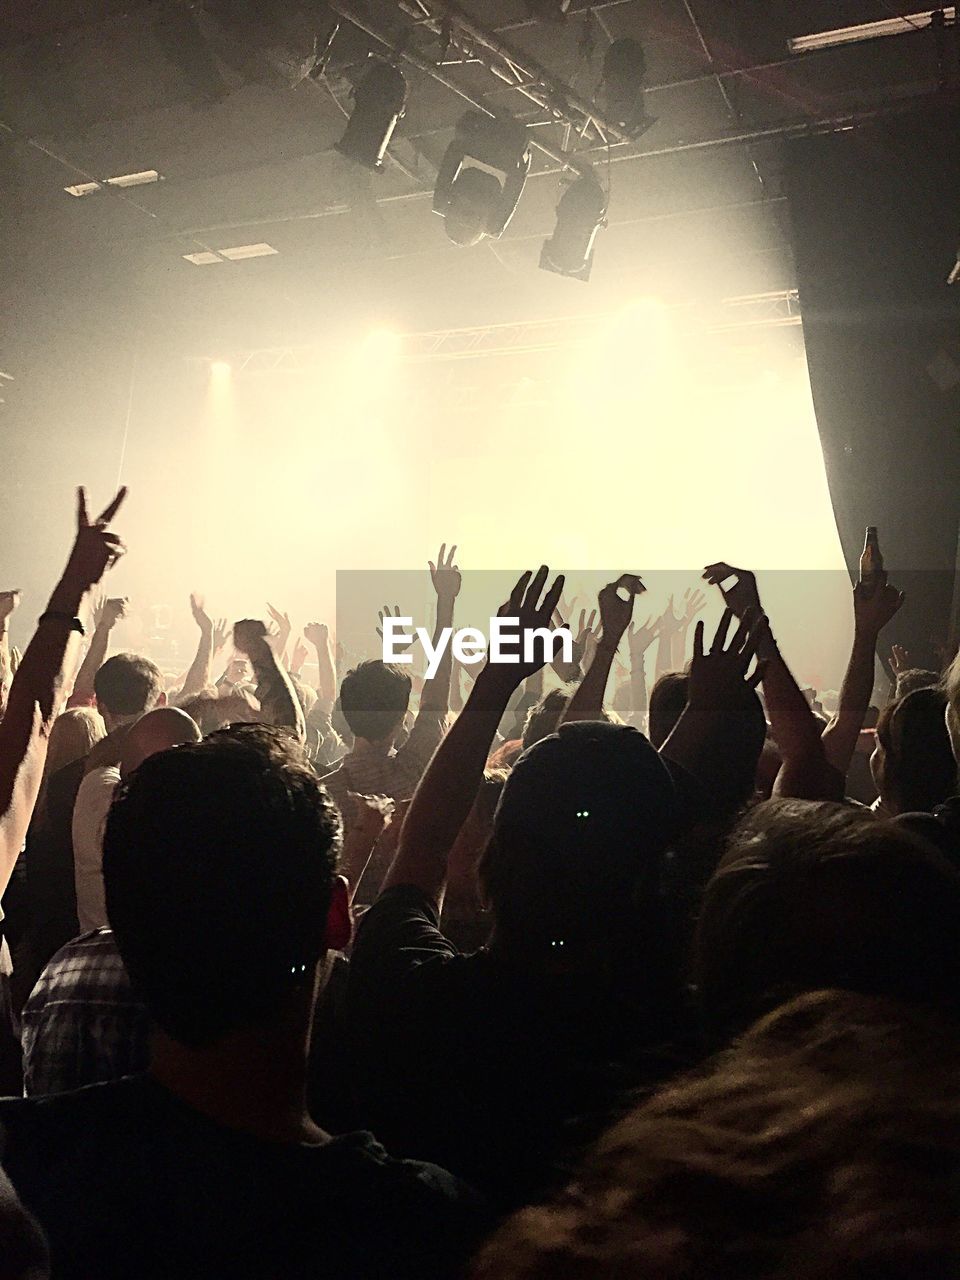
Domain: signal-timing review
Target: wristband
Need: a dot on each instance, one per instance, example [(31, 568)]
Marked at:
[(54, 615)]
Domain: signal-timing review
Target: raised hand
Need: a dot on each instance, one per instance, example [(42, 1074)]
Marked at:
[(533, 613), (318, 634), (445, 575), (399, 645), (283, 627), (95, 549), (742, 593), (200, 616), (298, 657), (585, 633), (692, 603), (9, 600), (221, 630), (669, 622), (113, 611), (874, 605), (641, 635), (899, 659), (719, 677), (616, 606)]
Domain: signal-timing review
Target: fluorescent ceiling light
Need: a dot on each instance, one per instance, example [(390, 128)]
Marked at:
[(236, 254), (140, 179), (870, 30), (248, 251), (134, 179)]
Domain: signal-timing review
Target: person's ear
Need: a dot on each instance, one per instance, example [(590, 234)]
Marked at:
[(162, 700), (339, 917)]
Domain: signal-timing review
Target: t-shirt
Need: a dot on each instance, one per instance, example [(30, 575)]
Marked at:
[(89, 818), (498, 1076), (128, 1181)]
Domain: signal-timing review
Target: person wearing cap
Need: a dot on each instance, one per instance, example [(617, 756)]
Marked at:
[(488, 1058)]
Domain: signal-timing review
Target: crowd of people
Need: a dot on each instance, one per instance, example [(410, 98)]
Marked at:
[(512, 973)]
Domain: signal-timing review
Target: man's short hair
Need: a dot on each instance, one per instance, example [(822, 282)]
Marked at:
[(127, 685), (218, 861), (374, 697), (543, 718)]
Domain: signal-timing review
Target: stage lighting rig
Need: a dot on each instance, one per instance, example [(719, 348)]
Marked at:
[(429, 32), (481, 177), (622, 86), (581, 213), (380, 99)]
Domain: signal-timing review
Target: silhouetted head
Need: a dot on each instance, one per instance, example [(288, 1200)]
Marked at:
[(158, 730), (824, 1146), (912, 763), (374, 697), (126, 686), (573, 864), (219, 864), (814, 895)]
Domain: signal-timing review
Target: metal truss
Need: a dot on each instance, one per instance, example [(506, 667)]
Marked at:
[(450, 31), (776, 310)]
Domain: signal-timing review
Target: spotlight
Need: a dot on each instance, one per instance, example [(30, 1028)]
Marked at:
[(382, 347), (380, 100), (581, 213), (479, 199), (221, 368), (622, 85)]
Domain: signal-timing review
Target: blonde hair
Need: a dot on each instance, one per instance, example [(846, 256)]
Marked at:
[(74, 734)]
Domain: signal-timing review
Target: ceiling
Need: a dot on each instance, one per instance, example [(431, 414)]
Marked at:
[(202, 94)]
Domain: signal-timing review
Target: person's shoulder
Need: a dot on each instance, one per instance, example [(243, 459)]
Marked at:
[(64, 1116), (399, 938), (362, 1166), (402, 906)]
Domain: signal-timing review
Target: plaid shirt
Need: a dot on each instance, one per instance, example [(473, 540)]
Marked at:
[(396, 774), (82, 1023)]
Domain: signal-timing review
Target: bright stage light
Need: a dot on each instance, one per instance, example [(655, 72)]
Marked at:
[(221, 368), (382, 347)]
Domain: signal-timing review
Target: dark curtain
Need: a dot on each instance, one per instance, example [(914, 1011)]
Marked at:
[(876, 219)]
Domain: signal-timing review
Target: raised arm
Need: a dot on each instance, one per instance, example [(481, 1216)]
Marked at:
[(105, 618), (198, 677), (692, 603), (275, 693), (872, 610), (36, 690), (640, 636), (668, 625), (449, 786), (282, 637), (805, 772), (318, 634), (719, 688), (9, 600), (616, 609), (445, 575)]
